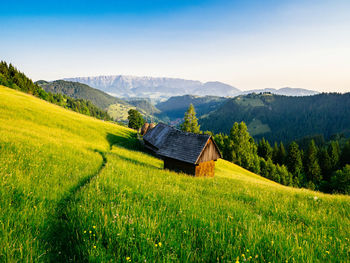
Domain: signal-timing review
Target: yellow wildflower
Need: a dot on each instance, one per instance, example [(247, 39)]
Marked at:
[(94, 246), (128, 259), (247, 250), (156, 245), (160, 244), (243, 255), (327, 252), (237, 261), (90, 231), (84, 231)]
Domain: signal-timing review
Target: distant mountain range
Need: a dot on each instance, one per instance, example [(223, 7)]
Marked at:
[(154, 88), (160, 89)]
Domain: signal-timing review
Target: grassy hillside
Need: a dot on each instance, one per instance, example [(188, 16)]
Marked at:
[(145, 105), (73, 188), (80, 91), (119, 111)]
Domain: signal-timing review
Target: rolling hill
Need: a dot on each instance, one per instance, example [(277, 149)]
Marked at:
[(74, 188), (80, 91), (144, 105), (116, 108), (283, 118), (119, 111)]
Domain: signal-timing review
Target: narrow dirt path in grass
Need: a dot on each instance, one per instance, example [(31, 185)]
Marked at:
[(60, 236), (61, 239)]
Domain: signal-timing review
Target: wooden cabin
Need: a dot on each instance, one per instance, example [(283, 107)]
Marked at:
[(190, 153)]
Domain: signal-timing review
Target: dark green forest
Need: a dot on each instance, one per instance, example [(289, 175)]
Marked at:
[(175, 107), (325, 167), (283, 118), (12, 78)]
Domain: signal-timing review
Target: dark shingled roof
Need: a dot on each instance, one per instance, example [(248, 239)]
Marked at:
[(176, 144), (157, 136)]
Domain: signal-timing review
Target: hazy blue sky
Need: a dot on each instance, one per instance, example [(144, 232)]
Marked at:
[(248, 44)]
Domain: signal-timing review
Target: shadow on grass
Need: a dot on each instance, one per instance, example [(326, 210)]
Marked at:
[(130, 142), (134, 161), (62, 237)]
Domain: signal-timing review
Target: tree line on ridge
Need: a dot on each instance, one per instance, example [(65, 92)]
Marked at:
[(325, 168), (12, 78)]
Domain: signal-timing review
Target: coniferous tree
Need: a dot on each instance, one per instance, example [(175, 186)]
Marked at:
[(294, 162), (345, 154), (271, 171), (275, 153), (243, 148), (190, 123), (312, 168), (325, 164), (340, 180), (334, 153), (282, 154), (264, 149), (284, 175), (263, 168)]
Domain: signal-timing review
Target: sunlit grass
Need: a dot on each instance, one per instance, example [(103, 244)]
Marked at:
[(45, 151), (67, 195), (119, 112), (235, 215)]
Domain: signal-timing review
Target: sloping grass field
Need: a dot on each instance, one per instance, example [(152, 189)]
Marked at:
[(76, 189)]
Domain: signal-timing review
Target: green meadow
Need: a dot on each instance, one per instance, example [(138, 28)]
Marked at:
[(77, 189)]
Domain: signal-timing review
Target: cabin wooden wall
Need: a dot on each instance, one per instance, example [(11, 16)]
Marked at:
[(209, 153), (202, 169), (206, 169), (178, 166)]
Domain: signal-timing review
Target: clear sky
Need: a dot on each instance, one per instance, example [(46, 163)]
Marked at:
[(249, 44)]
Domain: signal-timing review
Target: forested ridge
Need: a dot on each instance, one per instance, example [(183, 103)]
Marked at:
[(176, 106), (283, 118), (324, 167), (78, 90), (12, 78)]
